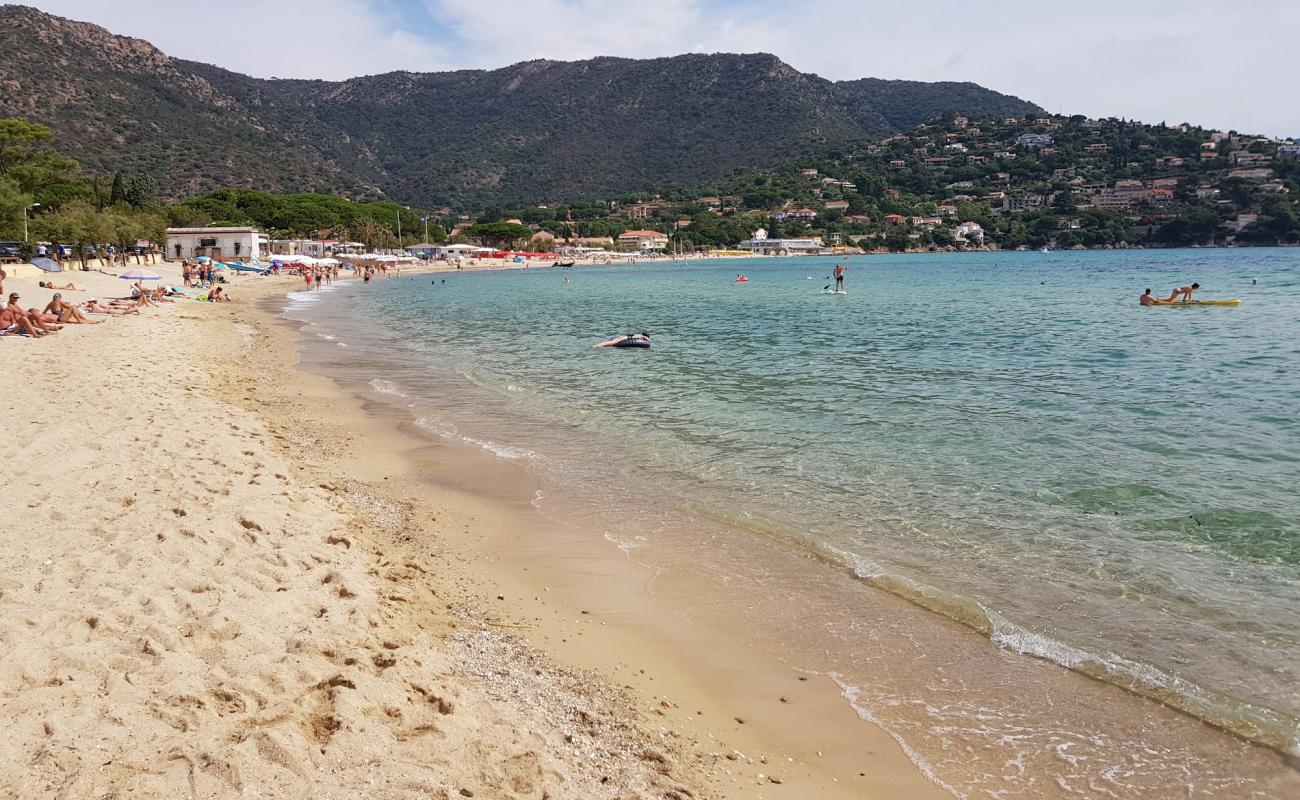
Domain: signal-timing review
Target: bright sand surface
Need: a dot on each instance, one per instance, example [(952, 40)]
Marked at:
[(222, 578)]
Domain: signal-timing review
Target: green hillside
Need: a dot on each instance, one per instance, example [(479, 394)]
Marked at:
[(536, 131)]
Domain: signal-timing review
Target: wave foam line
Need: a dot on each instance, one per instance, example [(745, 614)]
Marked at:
[(1253, 723)]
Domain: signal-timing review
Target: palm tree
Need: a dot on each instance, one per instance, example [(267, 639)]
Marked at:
[(369, 233)]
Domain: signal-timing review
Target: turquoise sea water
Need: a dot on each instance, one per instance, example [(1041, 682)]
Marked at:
[(1007, 439)]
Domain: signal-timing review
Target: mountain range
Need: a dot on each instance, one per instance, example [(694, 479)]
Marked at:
[(531, 132)]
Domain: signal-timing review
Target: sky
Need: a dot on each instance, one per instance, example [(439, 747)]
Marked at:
[(1220, 64)]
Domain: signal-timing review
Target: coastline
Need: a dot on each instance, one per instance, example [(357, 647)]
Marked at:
[(957, 652), (257, 594), (758, 729)]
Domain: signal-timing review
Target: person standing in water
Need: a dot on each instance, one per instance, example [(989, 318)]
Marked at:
[(1146, 299), (839, 277)]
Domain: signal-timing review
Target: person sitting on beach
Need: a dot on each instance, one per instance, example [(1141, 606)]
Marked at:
[(66, 313), (1146, 299), (93, 306), (627, 340), (217, 296), (32, 316), (1183, 294), (15, 323)]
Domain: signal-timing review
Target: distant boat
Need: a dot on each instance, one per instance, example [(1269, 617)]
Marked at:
[(1045, 250), (564, 264)]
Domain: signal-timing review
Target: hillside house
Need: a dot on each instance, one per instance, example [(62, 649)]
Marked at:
[(1252, 174), (641, 210), (797, 215), (1015, 204), (642, 241), (1033, 141), (969, 232)]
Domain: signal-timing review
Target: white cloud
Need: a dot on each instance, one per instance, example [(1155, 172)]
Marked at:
[(501, 32), (1202, 61), (332, 39)]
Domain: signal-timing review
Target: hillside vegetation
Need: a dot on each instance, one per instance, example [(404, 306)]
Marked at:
[(536, 131)]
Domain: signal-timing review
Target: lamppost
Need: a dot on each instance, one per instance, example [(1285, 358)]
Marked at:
[(25, 210)]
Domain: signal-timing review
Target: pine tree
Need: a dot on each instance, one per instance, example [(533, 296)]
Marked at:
[(117, 195)]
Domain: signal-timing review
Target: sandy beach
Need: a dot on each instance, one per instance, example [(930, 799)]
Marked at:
[(223, 578)]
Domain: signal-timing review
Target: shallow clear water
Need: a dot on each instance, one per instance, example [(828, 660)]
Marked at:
[(1007, 439)]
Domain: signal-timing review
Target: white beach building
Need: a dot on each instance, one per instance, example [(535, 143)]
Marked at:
[(761, 245), (218, 243)]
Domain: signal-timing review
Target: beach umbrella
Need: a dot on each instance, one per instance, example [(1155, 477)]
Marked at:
[(140, 275), (46, 264), (204, 258), (218, 265)]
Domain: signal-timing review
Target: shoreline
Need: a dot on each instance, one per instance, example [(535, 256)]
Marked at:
[(334, 635), (504, 580), (1088, 688), (584, 614)]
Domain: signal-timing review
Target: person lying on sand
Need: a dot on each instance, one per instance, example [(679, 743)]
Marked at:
[(139, 301), (67, 313), (42, 316), (52, 285), (12, 323), (93, 306)]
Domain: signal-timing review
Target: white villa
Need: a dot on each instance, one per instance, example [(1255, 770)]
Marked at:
[(970, 232)]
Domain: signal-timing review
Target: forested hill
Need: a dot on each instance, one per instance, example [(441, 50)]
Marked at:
[(540, 130)]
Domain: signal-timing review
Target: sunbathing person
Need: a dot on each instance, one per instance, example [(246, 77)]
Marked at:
[(68, 288), (14, 323), (136, 302), (42, 316), (67, 313), (33, 319), (93, 306)]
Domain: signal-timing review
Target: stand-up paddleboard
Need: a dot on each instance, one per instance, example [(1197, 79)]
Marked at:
[(833, 291), (1175, 303)]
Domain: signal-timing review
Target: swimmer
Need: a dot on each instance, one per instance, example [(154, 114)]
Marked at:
[(1146, 299), (641, 339)]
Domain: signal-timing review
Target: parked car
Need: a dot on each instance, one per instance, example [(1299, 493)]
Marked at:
[(11, 250)]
